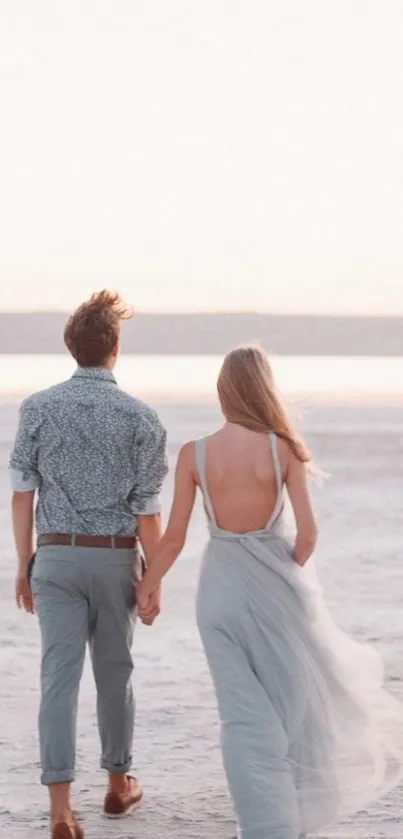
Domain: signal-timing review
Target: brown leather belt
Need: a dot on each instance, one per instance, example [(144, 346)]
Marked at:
[(85, 540)]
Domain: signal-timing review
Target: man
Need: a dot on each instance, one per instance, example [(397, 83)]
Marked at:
[(97, 459)]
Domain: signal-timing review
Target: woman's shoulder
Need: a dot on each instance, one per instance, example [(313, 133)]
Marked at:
[(188, 451), (198, 442), (190, 448), (192, 452), (285, 454), (282, 445)]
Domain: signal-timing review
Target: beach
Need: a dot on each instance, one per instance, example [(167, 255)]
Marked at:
[(177, 753)]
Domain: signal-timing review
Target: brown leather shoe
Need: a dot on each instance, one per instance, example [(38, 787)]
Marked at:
[(62, 830), (119, 805)]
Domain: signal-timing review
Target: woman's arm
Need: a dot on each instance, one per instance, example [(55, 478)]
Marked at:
[(297, 487), (174, 537)]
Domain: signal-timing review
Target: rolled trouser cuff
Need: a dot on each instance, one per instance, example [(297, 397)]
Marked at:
[(65, 776), (116, 769)]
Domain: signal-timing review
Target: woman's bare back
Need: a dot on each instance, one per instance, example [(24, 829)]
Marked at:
[(241, 478)]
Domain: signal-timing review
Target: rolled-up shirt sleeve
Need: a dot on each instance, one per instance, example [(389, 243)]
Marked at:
[(151, 467), (23, 463)]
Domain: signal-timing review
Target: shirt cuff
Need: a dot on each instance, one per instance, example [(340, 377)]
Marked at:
[(24, 481), (149, 506)]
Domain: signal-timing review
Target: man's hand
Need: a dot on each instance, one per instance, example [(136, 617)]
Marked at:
[(149, 531), (149, 606), (23, 593)]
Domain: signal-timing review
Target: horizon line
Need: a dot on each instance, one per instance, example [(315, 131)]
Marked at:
[(219, 313)]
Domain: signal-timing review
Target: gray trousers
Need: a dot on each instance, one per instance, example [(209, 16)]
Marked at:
[(84, 595)]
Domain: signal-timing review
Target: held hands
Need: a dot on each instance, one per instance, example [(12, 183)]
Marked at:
[(148, 604), (23, 593)]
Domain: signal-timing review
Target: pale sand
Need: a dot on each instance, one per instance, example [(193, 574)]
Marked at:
[(177, 738)]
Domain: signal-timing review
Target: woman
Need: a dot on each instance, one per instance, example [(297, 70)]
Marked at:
[(309, 735)]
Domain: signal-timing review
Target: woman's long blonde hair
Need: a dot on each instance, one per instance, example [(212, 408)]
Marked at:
[(249, 397)]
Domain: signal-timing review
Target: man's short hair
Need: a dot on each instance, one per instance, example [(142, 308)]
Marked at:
[(93, 330)]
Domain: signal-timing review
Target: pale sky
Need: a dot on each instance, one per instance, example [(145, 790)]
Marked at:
[(202, 154)]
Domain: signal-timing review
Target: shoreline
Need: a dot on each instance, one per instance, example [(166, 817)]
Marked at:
[(317, 399)]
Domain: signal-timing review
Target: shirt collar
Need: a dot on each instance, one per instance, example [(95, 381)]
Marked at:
[(94, 374)]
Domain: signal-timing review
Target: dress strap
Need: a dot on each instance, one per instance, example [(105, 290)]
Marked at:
[(200, 446), (279, 480), (276, 461)]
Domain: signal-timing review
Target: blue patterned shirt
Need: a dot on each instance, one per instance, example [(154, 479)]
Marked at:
[(96, 455)]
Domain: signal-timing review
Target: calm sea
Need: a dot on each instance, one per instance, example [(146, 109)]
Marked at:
[(192, 378)]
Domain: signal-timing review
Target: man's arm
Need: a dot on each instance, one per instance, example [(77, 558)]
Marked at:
[(25, 480), (149, 530), (150, 465), (22, 511), (151, 468)]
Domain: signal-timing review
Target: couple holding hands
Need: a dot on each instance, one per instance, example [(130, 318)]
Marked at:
[(309, 734)]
